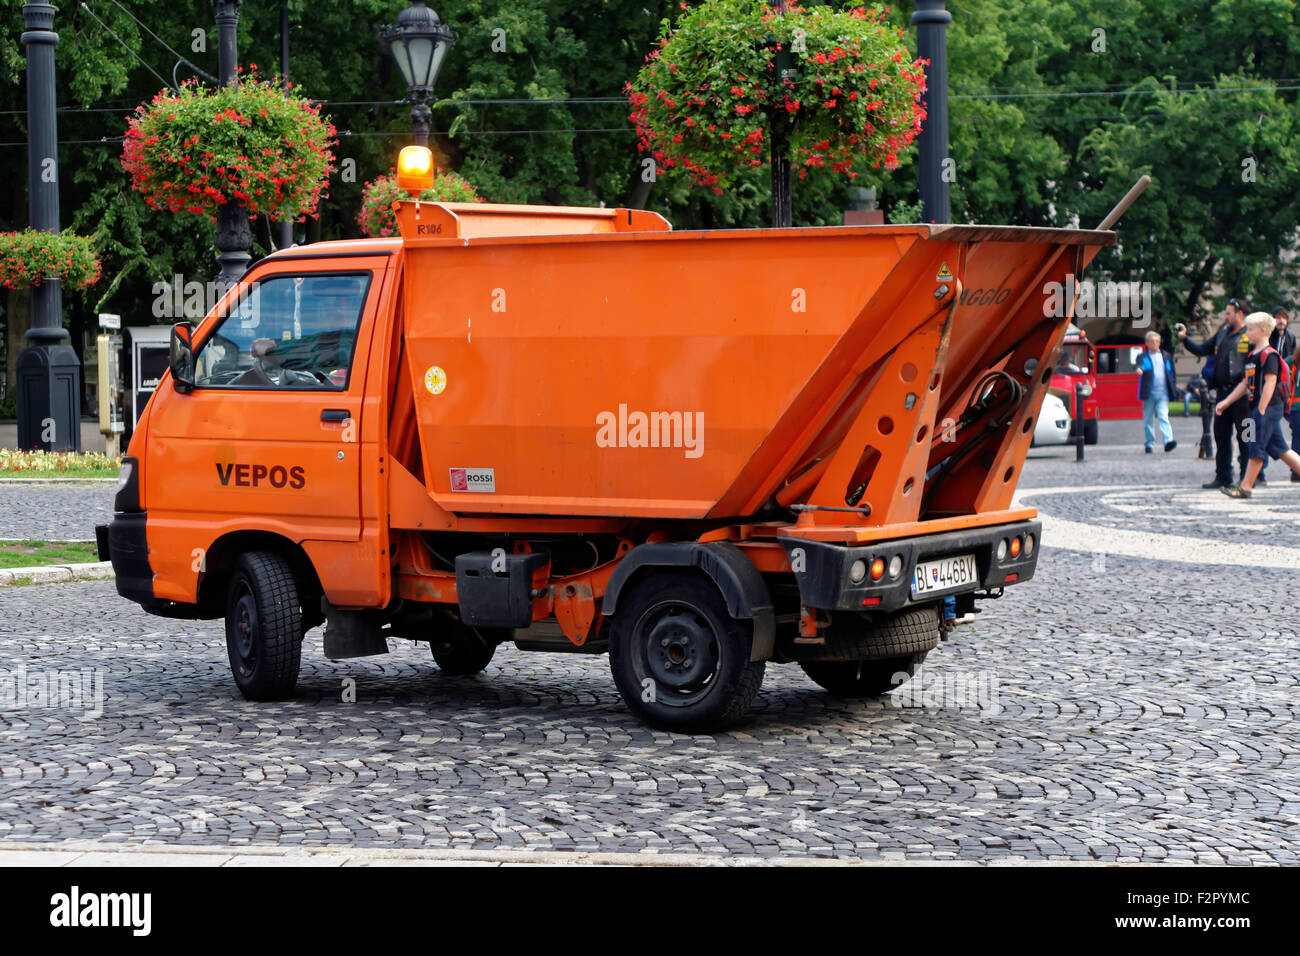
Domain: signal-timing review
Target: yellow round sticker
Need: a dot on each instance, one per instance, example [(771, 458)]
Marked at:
[(435, 380)]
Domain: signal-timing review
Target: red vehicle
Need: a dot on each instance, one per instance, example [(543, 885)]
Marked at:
[(1116, 388), (1077, 366)]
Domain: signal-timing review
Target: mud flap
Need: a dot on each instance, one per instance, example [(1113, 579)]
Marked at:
[(352, 633)]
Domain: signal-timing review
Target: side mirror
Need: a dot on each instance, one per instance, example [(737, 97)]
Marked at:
[(181, 357)]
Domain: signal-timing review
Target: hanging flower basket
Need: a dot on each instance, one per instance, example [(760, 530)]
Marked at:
[(30, 257), (377, 218), (199, 148), (837, 88)]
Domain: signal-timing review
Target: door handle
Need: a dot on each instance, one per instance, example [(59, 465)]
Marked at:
[(335, 415)]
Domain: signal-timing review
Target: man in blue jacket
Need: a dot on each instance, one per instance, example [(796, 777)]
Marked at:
[(1156, 386)]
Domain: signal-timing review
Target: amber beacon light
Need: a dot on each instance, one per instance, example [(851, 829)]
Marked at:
[(415, 170)]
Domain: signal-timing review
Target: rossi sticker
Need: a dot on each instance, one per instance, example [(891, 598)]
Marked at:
[(435, 380), (473, 479)]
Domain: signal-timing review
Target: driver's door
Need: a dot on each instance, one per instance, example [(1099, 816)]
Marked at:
[(269, 438)]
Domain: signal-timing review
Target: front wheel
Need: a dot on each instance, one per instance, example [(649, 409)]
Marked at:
[(679, 659), (1090, 431), (263, 626), (863, 678)]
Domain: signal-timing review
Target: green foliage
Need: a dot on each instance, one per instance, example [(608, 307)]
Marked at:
[(1045, 129), (377, 217), (713, 97), (30, 257)]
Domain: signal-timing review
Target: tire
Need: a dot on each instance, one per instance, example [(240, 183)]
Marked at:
[(863, 678), (672, 639), (263, 626), (861, 637), (461, 650), (1090, 431)]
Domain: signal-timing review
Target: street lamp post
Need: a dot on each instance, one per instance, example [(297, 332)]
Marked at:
[(931, 20), (234, 235), (782, 178), (49, 376), (419, 42)]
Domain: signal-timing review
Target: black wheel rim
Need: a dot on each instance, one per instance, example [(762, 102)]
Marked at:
[(678, 649), (244, 630)]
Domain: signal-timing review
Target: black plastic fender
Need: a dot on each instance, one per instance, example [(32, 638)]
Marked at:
[(741, 585)]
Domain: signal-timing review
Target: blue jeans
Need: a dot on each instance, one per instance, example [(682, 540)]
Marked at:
[(1156, 409), (1294, 420)]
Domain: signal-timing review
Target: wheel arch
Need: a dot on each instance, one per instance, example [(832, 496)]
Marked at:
[(219, 561), (737, 579)]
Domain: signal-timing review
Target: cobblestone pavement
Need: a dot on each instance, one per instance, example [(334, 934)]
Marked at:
[(1119, 707), (57, 511)]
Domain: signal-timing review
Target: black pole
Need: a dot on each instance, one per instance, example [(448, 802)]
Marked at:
[(49, 375), (286, 225), (931, 21), (234, 236), (421, 120), (1078, 422), (782, 211), (782, 179)]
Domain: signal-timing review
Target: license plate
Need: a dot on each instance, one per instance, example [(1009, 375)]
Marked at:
[(943, 574)]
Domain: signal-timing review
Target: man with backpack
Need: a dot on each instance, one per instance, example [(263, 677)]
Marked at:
[(1266, 386), (1227, 348)]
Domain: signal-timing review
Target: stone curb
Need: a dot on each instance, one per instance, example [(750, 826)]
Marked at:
[(57, 573), (96, 853)]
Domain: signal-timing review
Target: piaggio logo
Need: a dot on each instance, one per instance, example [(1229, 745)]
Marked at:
[(254, 476), (974, 297)]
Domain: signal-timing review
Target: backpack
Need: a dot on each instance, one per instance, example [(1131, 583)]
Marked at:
[(1284, 379)]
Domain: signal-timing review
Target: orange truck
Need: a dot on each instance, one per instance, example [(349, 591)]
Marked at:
[(579, 430)]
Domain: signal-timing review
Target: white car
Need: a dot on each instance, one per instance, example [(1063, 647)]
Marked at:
[(1053, 425)]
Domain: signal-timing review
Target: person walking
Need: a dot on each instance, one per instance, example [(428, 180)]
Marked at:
[(1282, 339), (1262, 386), (1229, 348), (1156, 386), (1292, 414)]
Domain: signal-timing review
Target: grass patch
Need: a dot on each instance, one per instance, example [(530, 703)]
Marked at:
[(35, 554), (1176, 408)]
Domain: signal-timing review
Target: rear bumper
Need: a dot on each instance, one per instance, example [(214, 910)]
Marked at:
[(122, 541), (823, 568)]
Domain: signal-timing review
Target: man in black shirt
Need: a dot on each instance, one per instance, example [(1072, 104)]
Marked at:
[(1282, 338), (1229, 347), (1261, 387)]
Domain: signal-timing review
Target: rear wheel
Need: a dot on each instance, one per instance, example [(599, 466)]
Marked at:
[(679, 659), (263, 626), (863, 678)]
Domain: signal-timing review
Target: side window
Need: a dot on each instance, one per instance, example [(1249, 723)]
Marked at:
[(292, 332)]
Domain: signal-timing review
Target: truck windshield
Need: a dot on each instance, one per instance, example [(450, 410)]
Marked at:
[(286, 332)]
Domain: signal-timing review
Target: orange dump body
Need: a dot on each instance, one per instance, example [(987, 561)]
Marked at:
[(595, 364)]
